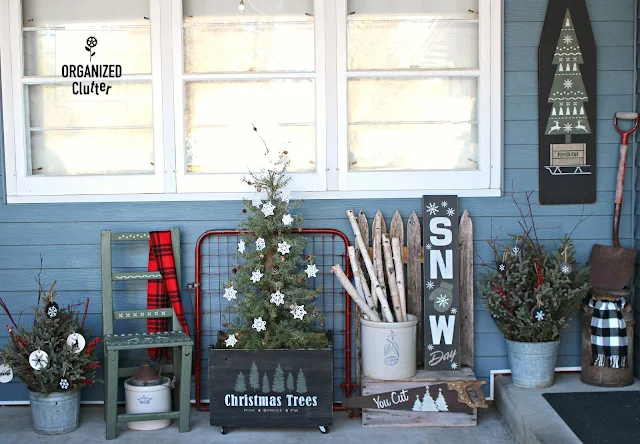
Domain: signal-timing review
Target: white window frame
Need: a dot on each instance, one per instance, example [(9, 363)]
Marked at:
[(331, 180), (15, 114)]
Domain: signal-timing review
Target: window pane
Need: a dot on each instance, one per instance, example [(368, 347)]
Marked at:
[(413, 35), (220, 139), (56, 106), (84, 152), (87, 134), (412, 124), (271, 35)]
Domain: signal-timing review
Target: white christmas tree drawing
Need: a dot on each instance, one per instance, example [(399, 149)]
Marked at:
[(417, 406), (440, 403), (428, 404)]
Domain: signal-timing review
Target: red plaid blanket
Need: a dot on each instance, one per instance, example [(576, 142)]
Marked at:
[(159, 291)]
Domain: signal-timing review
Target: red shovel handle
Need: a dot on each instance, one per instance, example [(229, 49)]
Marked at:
[(627, 116)]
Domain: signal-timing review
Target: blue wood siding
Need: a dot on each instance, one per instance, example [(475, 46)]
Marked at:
[(68, 235), (636, 351)]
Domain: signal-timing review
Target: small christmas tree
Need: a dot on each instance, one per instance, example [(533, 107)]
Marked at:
[(278, 380), (52, 355), (441, 404), (265, 384), (275, 309), (417, 405), (241, 384), (254, 377), (290, 383), (428, 404), (301, 383)]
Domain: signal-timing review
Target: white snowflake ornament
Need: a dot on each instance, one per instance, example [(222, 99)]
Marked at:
[(256, 276), (230, 293), (298, 312), (6, 373), (515, 251), (287, 220), (284, 196), (277, 298), (241, 247), (259, 324), (231, 341), (260, 244), (38, 359), (311, 270), (64, 384), (539, 316), (267, 209), (284, 247)]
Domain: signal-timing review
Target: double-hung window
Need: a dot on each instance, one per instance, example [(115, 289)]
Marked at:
[(157, 99)]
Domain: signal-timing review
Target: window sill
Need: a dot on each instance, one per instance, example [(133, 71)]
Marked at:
[(189, 197)]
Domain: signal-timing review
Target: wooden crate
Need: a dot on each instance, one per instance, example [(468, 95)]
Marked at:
[(401, 418)]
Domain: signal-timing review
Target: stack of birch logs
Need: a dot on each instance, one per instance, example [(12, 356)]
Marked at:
[(370, 293)]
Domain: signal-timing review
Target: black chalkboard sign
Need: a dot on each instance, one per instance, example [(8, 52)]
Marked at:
[(441, 287), (567, 85), (271, 387)]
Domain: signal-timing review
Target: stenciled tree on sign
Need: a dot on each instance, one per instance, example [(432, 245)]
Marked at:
[(568, 93)]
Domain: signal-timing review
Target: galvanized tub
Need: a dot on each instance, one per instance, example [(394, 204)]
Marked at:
[(532, 363), (55, 413)]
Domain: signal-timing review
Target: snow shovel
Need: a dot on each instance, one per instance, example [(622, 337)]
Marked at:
[(610, 268)]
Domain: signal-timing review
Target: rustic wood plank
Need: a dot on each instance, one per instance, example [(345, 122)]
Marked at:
[(414, 276), (396, 418), (396, 229), (466, 290), (370, 385)]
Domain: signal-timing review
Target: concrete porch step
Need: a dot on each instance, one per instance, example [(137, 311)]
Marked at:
[(531, 419)]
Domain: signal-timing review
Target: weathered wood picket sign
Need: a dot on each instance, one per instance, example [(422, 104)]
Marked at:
[(441, 289)]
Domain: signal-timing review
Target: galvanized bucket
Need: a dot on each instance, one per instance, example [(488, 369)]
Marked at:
[(532, 363), (55, 413)]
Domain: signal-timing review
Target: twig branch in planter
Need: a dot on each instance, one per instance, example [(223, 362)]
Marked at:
[(357, 277), (382, 298), (6, 310), (397, 260), (84, 316), (391, 277), (344, 280)]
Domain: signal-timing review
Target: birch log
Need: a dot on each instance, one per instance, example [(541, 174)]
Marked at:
[(357, 277), (364, 232), (377, 251), (372, 273), (344, 280), (397, 260), (391, 277)]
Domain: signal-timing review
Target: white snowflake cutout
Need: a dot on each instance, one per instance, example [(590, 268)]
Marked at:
[(267, 209), (260, 244), (52, 311), (256, 276), (444, 204), (428, 246), (432, 209), (298, 312), (241, 247), (277, 298), (430, 285), (501, 267), (231, 341), (430, 347), (284, 247), (284, 196), (539, 316), (230, 293), (287, 219), (311, 270), (565, 269), (256, 201), (259, 324), (454, 311), (64, 384), (450, 212), (442, 300), (454, 366)]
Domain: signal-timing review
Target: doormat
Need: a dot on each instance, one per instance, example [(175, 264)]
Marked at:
[(599, 417)]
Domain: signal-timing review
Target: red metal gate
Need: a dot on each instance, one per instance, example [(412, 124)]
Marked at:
[(216, 256)]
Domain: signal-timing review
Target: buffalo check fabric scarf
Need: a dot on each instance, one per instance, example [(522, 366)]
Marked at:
[(609, 342), (160, 291)]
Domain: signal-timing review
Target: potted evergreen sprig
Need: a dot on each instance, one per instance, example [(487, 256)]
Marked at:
[(531, 290), (273, 365), (54, 360)]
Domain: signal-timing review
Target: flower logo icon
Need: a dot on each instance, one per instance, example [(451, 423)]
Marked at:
[(92, 42)]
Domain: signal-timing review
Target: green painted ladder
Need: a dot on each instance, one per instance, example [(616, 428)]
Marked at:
[(180, 342)]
